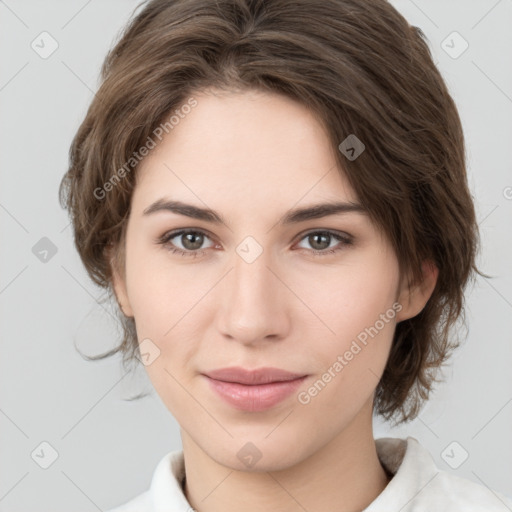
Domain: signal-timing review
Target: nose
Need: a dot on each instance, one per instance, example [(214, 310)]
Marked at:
[(254, 304)]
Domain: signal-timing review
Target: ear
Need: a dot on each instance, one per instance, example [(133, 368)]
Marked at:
[(119, 283), (413, 300)]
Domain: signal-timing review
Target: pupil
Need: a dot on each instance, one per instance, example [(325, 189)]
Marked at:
[(315, 237), (189, 237)]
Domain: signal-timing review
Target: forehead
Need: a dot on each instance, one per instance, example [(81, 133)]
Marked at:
[(249, 149)]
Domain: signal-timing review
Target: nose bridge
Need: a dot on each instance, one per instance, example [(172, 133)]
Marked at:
[(251, 275), (253, 305)]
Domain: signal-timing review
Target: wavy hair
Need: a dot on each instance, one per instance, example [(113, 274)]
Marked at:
[(361, 69)]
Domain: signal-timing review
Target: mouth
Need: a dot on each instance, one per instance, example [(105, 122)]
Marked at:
[(253, 390), (258, 376)]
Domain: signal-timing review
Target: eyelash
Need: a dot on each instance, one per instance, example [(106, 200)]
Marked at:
[(165, 240)]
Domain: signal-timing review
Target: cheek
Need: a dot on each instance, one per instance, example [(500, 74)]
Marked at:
[(167, 302), (161, 295), (353, 297), (351, 369), (360, 307)]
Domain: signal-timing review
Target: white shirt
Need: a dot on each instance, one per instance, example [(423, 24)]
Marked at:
[(417, 485)]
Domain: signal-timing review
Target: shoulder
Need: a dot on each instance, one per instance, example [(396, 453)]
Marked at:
[(418, 485), (450, 492), (165, 491)]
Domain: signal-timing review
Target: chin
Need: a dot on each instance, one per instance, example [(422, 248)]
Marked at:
[(256, 454)]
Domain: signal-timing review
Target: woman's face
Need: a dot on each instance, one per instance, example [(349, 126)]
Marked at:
[(318, 296)]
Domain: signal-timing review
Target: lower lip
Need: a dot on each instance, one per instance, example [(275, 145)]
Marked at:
[(254, 398)]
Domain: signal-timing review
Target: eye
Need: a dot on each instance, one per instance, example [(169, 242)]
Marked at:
[(190, 240), (321, 242)]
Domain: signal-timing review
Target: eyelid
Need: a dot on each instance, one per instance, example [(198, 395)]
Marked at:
[(333, 232), (180, 231), (343, 238), (175, 232)]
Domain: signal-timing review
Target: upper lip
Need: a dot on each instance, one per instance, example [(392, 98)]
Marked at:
[(256, 376)]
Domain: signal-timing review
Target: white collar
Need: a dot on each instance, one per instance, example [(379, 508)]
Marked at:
[(397, 455), (417, 485)]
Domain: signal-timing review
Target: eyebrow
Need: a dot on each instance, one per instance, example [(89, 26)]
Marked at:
[(293, 216)]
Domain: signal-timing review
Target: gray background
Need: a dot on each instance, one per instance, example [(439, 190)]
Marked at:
[(107, 446)]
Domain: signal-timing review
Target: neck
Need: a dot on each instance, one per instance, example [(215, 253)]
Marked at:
[(344, 474)]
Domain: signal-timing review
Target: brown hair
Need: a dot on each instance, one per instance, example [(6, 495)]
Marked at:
[(361, 69)]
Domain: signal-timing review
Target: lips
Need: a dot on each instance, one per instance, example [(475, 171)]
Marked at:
[(253, 390), (253, 377)]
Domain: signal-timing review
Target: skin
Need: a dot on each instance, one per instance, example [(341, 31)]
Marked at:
[(252, 156)]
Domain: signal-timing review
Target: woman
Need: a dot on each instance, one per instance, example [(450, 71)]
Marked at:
[(275, 192)]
